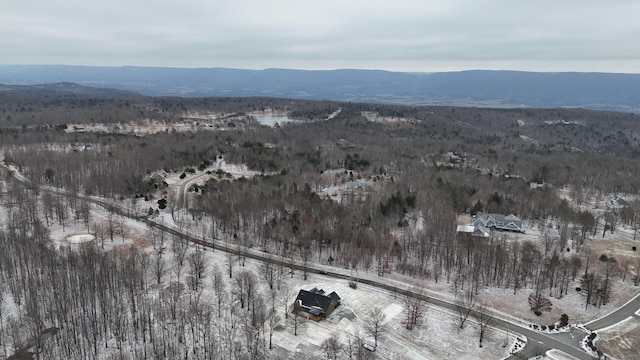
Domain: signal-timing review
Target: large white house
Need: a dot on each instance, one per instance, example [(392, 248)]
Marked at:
[(499, 222)]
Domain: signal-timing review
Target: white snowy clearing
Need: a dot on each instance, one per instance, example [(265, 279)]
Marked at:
[(80, 238)]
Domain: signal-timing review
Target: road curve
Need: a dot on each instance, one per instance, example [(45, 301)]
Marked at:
[(616, 316)]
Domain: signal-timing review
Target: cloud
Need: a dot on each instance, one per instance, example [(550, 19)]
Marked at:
[(426, 35)]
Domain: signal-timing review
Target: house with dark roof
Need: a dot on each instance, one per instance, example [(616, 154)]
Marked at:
[(618, 202), (316, 303)]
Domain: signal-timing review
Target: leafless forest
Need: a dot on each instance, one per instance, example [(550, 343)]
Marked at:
[(426, 166)]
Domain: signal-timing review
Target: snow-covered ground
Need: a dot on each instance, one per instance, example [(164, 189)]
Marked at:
[(438, 337), (80, 238)]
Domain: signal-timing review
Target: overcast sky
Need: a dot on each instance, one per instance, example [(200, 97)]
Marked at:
[(397, 35)]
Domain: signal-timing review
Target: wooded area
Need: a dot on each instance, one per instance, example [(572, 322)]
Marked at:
[(422, 166)]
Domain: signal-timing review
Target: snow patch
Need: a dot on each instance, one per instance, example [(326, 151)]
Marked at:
[(391, 311), (80, 238)]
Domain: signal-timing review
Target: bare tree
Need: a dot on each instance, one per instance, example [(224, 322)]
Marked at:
[(47, 204), (589, 284), (284, 300), (244, 290), (539, 303), (485, 320), (295, 319), (305, 255), (332, 347), (111, 221), (464, 305), (610, 267), (273, 319), (268, 271), (100, 233), (374, 323), (230, 261), (218, 287), (84, 212), (198, 265), (61, 211), (179, 247), (172, 202), (636, 276), (159, 267), (414, 311)]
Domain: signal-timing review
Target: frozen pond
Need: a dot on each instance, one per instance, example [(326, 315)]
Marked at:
[(272, 120), (79, 239)]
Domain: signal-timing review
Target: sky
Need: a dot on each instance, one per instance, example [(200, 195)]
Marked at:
[(398, 35)]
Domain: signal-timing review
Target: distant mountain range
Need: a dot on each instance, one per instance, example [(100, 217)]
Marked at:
[(482, 88)]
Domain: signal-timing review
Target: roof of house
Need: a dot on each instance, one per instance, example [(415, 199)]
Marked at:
[(159, 175), (475, 230), (618, 201), (499, 221), (465, 228), (316, 301), (334, 296)]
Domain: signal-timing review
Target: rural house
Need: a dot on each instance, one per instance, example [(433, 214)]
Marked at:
[(499, 222), (315, 303), (159, 176), (617, 202)]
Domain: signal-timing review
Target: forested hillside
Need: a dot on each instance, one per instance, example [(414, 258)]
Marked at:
[(358, 186)]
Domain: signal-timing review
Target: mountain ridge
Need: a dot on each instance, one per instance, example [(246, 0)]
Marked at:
[(482, 88)]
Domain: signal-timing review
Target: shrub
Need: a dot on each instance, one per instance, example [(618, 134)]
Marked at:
[(162, 204), (564, 320)]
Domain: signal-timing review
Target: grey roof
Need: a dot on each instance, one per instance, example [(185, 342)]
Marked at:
[(159, 175), (618, 201), (499, 221), (334, 296), (358, 184)]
